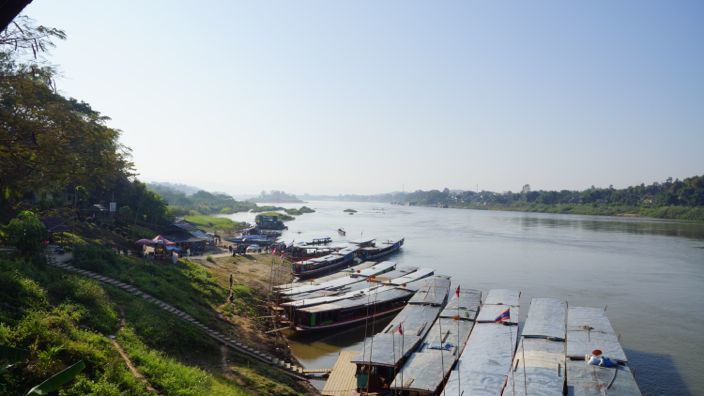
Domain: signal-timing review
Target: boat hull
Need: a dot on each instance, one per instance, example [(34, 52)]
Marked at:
[(347, 323)]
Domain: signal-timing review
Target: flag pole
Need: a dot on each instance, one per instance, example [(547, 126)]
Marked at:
[(459, 382), (402, 338), (442, 358)]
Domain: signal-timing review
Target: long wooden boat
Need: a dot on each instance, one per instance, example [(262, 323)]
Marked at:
[(325, 278), (384, 354), (358, 306), (351, 311), (428, 368), (302, 252), (322, 265), (539, 364), (379, 249), (295, 291), (486, 361), (354, 290), (588, 329)]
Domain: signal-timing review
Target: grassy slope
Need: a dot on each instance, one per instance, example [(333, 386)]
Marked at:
[(62, 318), (212, 223)]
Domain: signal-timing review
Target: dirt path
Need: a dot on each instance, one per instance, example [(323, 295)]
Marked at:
[(132, 368)]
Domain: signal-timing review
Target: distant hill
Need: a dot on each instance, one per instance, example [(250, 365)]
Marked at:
[(201, 201), (275, 196), (184, 188)]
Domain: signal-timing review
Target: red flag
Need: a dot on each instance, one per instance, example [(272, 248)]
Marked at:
[(458, 291), (400, 328)]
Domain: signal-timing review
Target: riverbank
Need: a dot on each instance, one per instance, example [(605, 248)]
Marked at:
[(664, 212)]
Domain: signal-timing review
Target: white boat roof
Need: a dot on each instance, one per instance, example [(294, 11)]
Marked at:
[(340, 281), (375, 269), (485, 363), (413, 276), (547, 318), (328, 299)]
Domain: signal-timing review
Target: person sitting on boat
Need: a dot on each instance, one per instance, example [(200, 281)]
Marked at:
[(598, 359)]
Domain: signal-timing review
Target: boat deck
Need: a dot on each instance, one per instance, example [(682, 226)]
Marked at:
[(496, 302), (342, 381), (588, 329), (486, 361), (539, 364), (428, 368)]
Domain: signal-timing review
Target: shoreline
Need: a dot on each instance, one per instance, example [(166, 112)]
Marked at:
[(619, 214)]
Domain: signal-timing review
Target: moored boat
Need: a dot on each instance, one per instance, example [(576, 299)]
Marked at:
[(383, 355), (378, 250), (322, 265)]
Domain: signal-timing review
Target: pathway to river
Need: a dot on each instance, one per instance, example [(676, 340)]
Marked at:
[(650, 273)]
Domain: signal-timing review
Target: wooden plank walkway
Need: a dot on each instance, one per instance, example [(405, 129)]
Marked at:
[(342, 380)]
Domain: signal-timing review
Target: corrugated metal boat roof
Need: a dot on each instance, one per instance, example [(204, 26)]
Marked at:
[(386, 349), (485, 362), (546, 319), (466, 306), (433, 291), (387, 294), (502, 297), (584, 379), (415, 319), (589, 329), (538, 368), (420, 273)]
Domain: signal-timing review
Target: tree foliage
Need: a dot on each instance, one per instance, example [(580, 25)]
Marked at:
[(202, 201), (57, 151), (26, 233), (687, 193)]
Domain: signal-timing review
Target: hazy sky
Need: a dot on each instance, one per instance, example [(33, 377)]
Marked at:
[(371, 96)]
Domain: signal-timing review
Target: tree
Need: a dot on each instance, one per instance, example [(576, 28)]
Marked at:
[(26, 233)]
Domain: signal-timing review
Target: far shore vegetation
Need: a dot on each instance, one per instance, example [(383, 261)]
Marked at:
[(670, 199)]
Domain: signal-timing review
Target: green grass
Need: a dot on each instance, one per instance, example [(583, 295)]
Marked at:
[(212, 223), (169, 375), (58, 329), (186, 285), (61, 318)]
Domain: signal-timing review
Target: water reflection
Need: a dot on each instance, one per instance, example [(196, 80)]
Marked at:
[(681, 229)]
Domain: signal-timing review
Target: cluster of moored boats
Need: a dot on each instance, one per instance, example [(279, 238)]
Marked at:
[(320, 257), (457, 345), (450, 343)]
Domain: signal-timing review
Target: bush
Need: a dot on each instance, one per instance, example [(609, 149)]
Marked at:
[(26, 233)]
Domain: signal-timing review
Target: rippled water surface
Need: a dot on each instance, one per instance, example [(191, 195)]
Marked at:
[(649, 274)]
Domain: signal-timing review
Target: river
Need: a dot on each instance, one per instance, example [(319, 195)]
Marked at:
[(648, 273)]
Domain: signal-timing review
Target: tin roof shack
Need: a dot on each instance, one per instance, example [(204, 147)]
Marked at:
[(385, 353), (269, 223), (191, 228), (428, 368), (186, 241)]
